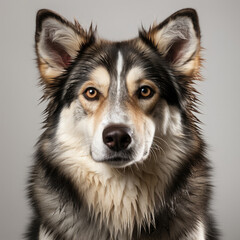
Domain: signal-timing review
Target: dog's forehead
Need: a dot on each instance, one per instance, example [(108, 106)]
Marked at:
[(119, 59), (116, 57)]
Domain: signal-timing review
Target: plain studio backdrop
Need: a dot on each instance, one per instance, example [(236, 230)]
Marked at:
[(21, 114)]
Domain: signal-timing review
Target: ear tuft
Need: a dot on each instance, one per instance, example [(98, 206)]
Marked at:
[(57, 43), (178, 40)]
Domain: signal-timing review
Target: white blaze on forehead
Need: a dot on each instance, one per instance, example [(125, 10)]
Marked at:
[(119, 70), (116, 114)]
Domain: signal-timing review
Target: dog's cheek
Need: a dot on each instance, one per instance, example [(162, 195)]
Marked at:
[(88, 116), (89, 107), (168, 120), (97, 122), (85, 125), (150, 128), (99, 114), (136, 117), (149, 105), (172, 123), (67, 132), (144, 129), (75, 126)]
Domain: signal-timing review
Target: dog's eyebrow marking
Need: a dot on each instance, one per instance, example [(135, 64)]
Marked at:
[(119, 71), (102, 78), (135, 74)]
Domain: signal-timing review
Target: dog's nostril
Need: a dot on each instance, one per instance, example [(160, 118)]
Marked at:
[(116, 137), (109, 139)]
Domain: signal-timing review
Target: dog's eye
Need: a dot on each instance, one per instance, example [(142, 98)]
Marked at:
[(145, 92), (91, 94)]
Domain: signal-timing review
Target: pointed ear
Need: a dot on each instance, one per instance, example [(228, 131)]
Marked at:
[(57, 43), (178, 40)]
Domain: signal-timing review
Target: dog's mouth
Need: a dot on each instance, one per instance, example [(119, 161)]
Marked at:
[(117, 161), (120, 159)]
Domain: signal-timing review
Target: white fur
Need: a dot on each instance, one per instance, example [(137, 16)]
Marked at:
[(119, 71), (197, 234), (171, 120), (117, 115), (201, 232)]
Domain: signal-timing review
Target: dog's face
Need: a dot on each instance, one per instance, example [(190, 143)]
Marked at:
[(118, 102), (112, 99)]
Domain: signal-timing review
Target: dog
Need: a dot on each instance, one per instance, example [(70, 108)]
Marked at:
[(121, 156)]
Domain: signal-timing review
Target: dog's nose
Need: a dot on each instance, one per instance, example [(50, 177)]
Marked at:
[(116, 137)]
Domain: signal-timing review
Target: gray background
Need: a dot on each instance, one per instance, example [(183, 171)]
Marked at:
[(20, 119)]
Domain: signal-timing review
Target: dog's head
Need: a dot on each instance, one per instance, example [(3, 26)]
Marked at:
[(110, 100)]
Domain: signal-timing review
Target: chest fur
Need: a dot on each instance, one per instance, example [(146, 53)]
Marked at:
[(122, 200)]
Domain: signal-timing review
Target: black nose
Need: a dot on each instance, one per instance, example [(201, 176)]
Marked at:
[(116, 137)]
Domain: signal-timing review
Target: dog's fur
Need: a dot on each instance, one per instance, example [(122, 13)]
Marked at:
[(121, 156)]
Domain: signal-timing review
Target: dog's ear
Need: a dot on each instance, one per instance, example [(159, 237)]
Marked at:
[(57, 43), (178, 40)]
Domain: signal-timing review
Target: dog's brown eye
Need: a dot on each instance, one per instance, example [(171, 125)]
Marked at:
[(91, 94), (145, 92)]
